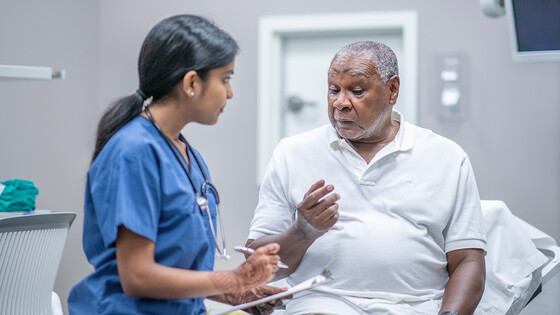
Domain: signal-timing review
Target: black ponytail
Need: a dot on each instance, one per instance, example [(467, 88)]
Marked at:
[(115, 117), (172, 48)]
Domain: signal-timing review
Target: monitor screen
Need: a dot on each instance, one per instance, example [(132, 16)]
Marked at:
[(534, 27)]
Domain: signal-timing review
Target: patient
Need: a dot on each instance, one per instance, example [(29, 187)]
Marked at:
[(403, 232)]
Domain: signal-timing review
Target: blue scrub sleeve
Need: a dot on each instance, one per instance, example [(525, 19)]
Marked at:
[(128, 193)]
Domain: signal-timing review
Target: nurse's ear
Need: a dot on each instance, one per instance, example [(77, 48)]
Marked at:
[(192, 84)]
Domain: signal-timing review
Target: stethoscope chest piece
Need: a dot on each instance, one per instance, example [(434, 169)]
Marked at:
[(202, 203)]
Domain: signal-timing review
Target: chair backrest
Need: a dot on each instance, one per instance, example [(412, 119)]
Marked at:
[(31, 247)]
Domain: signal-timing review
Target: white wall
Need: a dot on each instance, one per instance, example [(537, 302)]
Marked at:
[(47, 128)]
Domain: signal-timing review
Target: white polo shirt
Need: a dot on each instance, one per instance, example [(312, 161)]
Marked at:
[(416, 200)]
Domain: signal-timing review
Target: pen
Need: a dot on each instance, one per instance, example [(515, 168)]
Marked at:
[(248, 250)]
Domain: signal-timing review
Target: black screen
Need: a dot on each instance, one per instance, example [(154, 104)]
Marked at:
[(537, 24)]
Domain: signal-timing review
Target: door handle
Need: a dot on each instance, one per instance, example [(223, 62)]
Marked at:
[(295, 103)]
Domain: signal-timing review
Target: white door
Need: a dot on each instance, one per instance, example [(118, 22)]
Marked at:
[(294, 55)]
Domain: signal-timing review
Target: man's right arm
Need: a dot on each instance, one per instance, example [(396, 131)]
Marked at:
[(317, 213)]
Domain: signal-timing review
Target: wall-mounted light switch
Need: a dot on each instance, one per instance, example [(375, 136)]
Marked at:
[(451, 86)]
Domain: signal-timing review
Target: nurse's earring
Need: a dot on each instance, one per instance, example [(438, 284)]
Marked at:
[(192, 93)]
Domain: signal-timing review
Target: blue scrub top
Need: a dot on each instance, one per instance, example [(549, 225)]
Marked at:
[(136, 181)]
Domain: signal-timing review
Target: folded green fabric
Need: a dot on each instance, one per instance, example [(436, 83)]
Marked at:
[(18, 195)]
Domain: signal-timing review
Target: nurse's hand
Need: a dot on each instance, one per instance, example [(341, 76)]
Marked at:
[(259, 268), (318, 211), (255, 294)]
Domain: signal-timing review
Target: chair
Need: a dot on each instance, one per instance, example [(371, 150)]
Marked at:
[(31, 247)]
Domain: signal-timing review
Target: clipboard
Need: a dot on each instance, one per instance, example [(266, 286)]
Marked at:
[(311, 283)]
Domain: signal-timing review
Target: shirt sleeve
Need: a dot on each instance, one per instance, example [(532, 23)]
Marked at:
[(127, 192), (273, 214), (465, 228)]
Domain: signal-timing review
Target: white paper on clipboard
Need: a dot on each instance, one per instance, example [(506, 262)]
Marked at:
[(305, 285)]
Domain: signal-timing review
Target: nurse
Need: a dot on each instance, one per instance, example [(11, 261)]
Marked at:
[(150, 213)]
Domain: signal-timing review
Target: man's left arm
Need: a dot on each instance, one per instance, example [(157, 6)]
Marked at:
[(467, 273)]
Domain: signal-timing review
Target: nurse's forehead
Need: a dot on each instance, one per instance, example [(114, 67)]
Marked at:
[(352, 65)]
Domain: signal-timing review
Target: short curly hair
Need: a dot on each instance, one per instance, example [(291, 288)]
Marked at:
[(383, 56)]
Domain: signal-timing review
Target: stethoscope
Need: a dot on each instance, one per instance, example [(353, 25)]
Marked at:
[(202, 195)]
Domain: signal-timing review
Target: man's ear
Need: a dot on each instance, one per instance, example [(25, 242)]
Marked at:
[(191, 83), (394, 84)]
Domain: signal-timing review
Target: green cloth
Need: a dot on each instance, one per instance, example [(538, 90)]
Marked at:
[(18, 195)]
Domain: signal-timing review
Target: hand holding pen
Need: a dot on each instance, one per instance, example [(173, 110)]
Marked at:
[(257, 270), (248, 250)]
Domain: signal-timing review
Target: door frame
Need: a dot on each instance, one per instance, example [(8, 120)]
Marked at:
[(274, 29)]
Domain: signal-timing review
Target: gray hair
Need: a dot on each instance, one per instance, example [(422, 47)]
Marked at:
[(383, 56)]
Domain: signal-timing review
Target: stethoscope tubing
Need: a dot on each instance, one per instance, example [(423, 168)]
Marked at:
[(198, 195)]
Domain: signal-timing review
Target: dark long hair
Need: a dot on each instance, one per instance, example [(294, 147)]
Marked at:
[(173, 47)]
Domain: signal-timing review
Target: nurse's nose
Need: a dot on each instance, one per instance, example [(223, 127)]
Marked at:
[(229, 91)]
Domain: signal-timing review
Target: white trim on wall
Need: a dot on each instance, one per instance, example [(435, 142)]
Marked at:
[(29, 73)]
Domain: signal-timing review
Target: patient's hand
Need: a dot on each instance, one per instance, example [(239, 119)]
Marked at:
[(318, 211), (255, 294)]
